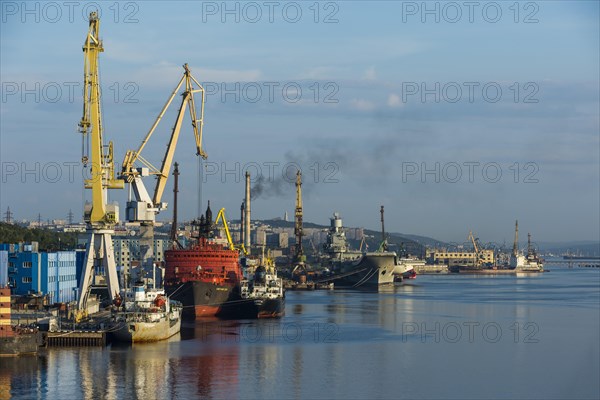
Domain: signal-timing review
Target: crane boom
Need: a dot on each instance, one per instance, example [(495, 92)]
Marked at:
[(153, 205), (221, 216), (472, 239)]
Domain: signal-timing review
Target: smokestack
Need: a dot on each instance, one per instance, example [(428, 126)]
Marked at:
[(242, 223), (516, 243), (247, 213)]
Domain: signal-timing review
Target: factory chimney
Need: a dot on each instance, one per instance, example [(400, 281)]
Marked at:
[(247, 213), (242, 222), (516, 243)]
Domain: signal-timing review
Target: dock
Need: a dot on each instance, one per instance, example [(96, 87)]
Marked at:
[(308, 285), (431, 269), (75, 339)]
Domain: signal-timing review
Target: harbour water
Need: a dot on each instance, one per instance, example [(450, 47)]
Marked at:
[(439, 336)]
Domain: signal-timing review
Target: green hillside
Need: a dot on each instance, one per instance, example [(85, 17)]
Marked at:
[(48, 240)]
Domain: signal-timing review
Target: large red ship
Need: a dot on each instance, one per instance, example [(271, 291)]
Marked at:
[(204, 277)]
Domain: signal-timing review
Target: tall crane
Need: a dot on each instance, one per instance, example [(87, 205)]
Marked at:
[(99, 215), (142, 208), (476, 248), (298, 229)]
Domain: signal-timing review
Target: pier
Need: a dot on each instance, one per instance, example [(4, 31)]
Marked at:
[(75, 338)]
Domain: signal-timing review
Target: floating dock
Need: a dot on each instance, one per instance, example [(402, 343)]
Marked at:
[(75, 338)]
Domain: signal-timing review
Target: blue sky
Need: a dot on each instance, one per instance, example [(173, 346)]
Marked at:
[(360, 119)]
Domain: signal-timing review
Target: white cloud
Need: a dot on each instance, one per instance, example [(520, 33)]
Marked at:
[(370, 74), (363, 105), (394, 101), (321, 72)]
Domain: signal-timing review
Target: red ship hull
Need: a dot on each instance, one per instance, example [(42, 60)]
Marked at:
[(204, 278)]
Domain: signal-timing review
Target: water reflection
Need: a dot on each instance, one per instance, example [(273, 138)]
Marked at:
[(352, 344)]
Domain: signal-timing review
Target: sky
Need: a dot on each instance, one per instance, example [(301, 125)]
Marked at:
[(455, 116)]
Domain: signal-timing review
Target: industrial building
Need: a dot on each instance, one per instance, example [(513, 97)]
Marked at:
[(462, 258), (29, 271)]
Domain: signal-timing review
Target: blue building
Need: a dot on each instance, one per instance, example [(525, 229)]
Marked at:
[(3, 267), (54, 274), (59, 276), (23, 268)]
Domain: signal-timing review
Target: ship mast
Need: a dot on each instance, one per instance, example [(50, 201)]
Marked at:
[(174, 242), (384, 245)]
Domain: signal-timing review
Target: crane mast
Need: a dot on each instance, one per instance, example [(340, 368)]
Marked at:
[(99, 216), (298, 230)]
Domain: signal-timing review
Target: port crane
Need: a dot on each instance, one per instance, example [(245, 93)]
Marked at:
[(141, 208), (476, 248), (298, 229), (221, 216), (99, 215)]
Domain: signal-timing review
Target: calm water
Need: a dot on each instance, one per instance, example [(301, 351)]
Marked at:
[(434, 337)]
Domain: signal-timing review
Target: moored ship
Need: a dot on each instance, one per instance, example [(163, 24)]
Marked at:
[(261, 296), (146, 315), (205, 276), (356, 269), (529, 262)]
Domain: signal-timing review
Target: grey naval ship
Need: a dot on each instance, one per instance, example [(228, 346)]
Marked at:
[(353, 268)]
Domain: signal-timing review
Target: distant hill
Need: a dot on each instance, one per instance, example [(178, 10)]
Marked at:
[(585, 248), (412, 244), (48, 240)]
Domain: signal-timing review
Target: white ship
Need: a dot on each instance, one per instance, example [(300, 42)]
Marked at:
[(529, 262), (146, 315)]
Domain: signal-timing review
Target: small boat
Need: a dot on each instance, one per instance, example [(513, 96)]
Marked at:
[(261, 295), (145, 315), (529, 262)]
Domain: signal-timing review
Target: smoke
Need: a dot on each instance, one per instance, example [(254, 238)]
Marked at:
[(369, 163), (266, 187)]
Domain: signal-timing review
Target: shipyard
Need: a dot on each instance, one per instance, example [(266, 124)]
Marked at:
[(261, 201)]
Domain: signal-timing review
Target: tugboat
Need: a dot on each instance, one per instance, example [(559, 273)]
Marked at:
[(145, 315), (205, 276), (530, 262), (262, 295)]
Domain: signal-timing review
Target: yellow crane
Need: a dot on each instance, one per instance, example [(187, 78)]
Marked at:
[(142, 208), (298, 229), (99, 215), (476, 248), (221, 216)]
